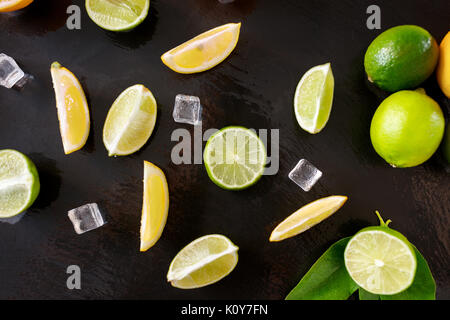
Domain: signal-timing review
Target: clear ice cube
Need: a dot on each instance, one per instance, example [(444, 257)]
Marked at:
[(305, 175), (187, 109), (13, 220), (10, 72), (86, 218)]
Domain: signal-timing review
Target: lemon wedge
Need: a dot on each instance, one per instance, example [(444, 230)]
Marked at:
[(155, 205), (73, 111), (205, 51), (307, 217)]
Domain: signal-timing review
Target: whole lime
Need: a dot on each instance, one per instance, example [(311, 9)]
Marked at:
[(401, 58), (407, 128)]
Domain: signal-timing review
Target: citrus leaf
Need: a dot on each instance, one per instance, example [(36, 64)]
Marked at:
[(365, 295), (327, 279)]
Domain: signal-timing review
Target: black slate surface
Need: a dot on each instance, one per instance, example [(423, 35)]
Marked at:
[(254, 87)]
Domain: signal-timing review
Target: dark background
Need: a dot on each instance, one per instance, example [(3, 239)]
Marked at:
[(253, 87)]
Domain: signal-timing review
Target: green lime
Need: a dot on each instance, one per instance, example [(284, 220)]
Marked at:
[(381, 260), (203, 262), (117, 15), (19, 183), (401, 58), (234, 158), (314, 97), (407, 128)]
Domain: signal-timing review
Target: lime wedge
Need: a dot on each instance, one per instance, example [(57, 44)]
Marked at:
[(203, 262), (19, 183), (234, 158), (117, 15), (381, 260), (130, 121), (314, 98)]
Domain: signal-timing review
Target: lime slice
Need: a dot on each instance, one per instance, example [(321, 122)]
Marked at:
[(307, 217), (19, 183), (314, 97), (130, 121), (381, 260), (234, 158), (117, 15), (155, 205), (203, 262)]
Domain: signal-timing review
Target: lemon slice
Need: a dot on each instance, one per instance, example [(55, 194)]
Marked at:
[(73, 111), (381, 260), (307, 217), (205, 51), (203, 262), (313, 98), (130, 121), (13, 5), (155, 205)]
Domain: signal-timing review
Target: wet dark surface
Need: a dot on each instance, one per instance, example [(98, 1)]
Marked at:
[(254, 87)]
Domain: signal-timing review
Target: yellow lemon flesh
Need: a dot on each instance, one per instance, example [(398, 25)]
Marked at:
[(443, 69), (13, 5), (205, 51), (155, 205), (73, 111), (307, 217)]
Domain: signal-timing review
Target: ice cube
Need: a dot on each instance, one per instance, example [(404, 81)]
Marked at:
[(305, 175), (13, 220), (187, 109), (10, 73), (86, 218)]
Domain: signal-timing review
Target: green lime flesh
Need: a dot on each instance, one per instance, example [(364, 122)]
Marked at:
[(19, 183)]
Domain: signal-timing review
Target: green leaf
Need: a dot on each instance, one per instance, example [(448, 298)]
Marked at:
[(327, 279), (365, 295), (423, 286)]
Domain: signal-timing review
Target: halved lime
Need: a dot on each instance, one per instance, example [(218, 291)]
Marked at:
[(381, 260), (234, 158), (19, 183), (203, 262), (130, 121), (117, 15), (314, 97)]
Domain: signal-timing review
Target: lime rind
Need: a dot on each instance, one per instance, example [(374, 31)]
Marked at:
[(133, 109), (249, 174), (110, 22), (313, 98), (202, 262), (28, 178)]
